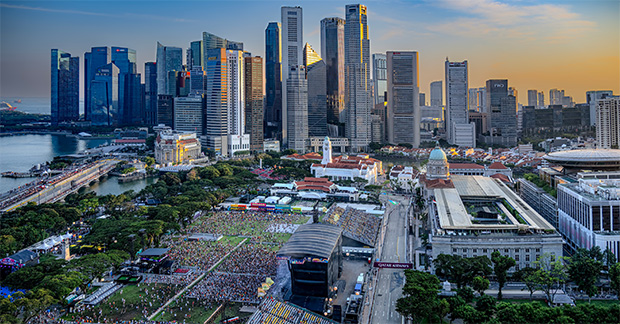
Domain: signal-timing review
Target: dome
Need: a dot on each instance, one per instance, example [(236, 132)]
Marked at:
[(438, 155)]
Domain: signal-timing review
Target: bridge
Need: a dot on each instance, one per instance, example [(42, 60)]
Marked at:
[(56, 188)]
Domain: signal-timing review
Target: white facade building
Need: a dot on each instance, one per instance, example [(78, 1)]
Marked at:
[(238, 140), (176, 147), (297, 109), (346, 167), (608, 123), (589, 211), (456, 105)]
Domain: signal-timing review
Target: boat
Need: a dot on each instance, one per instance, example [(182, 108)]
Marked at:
[(17, 101), (5, 106)]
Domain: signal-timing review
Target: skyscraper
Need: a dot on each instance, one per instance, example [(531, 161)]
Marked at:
[(210, 41), (555, 96), (436, 94), (297, 109), (317, 92), (502, 114), (472, 100), (357, 75), (197, 80), (292, 57), (379, 77), (129, 87), (541, 99), (238, 140), (165, 110), (65, 87), (217, 101), (273, 81), (104, 96), (150, 93), (608, 123), (591, 99), (97, 57), (168, 59), (195, 54), (403, 104), (254, 102), (189, 114), (532, 98), (422, 99), (456, 104), (332, 51)]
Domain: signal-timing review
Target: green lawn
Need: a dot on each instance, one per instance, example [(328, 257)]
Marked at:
[(524, 301), (231, 240), (302, 220), (191, 313)]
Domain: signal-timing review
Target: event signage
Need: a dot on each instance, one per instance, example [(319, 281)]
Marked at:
[(393, 265)]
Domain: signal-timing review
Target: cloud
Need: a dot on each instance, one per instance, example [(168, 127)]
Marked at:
[(90, 13), (486, 18)]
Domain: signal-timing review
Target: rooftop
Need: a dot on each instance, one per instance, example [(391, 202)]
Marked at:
[(312, 240), (590, 155)]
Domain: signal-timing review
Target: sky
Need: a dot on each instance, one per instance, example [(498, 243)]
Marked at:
[(570, 45)]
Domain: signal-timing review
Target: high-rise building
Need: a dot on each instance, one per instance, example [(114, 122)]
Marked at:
[(472, 101), (254, 102), (357, 75), (403, 104), (456, 103), (541, 100), (297, 109), (65, 87), (592, 97), (502, 112), (273, 81), (317, 92), (217, 101), (555, 96), (436, 94), (292, 56), (332, 51), (189, 114), (97, 57), (169, 59), (104, 96), (379, 77), (532, 98), (195, 55), (197, 81), (165, 110), (238, 140), (210, 41), (129, 86), (422, 99), (150, 93), (608, 123)]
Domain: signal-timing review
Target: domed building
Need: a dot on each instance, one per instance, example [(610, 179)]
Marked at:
[(437, 166)]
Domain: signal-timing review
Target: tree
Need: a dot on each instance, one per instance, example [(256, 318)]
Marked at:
[(614, 276), (462, 270), (170, 179), (585, 271), (526, 275), (501, 265), (609, 258), (419, 299), (550, 274), (486, 304), (480, 284)]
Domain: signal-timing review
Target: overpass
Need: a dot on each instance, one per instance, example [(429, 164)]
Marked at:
[(58, 187)]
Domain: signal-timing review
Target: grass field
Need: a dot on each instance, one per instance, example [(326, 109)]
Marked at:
[(599, 302), (178, 311), (231, 240)]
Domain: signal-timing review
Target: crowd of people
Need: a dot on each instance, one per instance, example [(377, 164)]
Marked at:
[(251, 258), (220, 286), (200, 254), (355, 223), (245, 223), (184, 279)]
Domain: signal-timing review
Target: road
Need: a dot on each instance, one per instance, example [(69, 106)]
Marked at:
[(390, 281), (68, 182)]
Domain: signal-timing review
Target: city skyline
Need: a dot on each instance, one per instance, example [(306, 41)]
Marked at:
[(528, 43)]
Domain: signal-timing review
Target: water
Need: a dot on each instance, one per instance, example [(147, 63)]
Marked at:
[(34, 105), (20, 153)]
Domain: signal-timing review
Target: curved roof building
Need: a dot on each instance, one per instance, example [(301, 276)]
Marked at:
[(598, 160)]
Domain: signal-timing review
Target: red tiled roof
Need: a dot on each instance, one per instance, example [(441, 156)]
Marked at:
[(465, 166), (501, 177), (320, 180), (439, 184), (311, 187), (497, 166)]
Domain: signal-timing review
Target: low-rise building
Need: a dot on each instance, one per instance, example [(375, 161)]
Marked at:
[(176, 147), (405, 178), (589, 211), (345, 167), (315, 188), (542, 202)]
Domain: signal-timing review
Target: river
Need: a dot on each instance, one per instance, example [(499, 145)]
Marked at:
[(22, 152)]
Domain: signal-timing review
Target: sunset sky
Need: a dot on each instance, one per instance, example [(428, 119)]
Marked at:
[(570, 45)]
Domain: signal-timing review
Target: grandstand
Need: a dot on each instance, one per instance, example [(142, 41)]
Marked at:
[(356, 224), (274, 311)]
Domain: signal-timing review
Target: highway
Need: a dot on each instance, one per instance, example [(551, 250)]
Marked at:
[(388, 287), (58, 187)]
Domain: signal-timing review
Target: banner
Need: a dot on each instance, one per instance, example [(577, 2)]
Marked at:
[(393, 265)]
